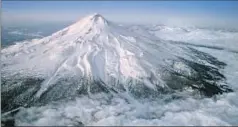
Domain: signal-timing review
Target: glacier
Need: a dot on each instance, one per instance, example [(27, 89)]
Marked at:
[(96, 72)]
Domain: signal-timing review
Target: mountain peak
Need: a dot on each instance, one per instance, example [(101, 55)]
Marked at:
[(93, 22), (97, 15), (97, 18)]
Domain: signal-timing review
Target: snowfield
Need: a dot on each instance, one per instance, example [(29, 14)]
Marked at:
[(95, 72)]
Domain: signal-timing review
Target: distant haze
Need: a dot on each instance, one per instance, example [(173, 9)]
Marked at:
[(198, 13)]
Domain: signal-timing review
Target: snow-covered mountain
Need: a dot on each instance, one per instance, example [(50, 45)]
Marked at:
[(95, 55), (222, 39)]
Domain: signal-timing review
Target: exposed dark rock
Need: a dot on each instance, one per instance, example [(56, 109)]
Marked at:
[(18, 92), (8, 123)]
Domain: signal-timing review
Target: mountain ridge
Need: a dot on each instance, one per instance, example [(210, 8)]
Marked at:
[(95, 50)]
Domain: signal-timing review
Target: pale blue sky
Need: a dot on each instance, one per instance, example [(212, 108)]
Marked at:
[(171, 12)]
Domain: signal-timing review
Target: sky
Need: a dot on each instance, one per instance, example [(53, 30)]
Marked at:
[(205, 13)]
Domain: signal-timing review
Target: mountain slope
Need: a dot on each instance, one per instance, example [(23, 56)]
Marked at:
[(95, 55)]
